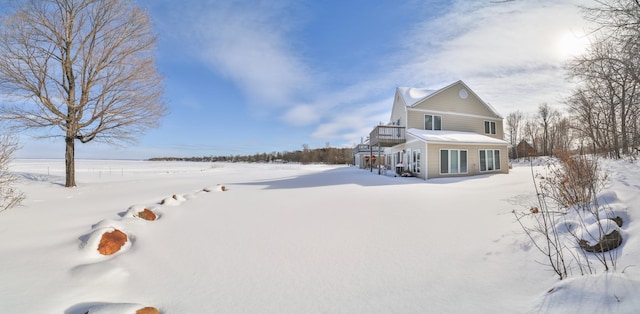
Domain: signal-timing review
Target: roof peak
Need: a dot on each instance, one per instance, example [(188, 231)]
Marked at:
[(413, 95)]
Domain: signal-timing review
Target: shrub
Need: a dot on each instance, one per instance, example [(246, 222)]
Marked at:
[(573, 182), (9, 195), (567, 202)]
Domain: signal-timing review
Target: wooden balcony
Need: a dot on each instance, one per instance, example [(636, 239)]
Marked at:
[(365, 148), (387, 135)]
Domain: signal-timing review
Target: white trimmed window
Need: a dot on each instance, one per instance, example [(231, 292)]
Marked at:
[(415, 161), (489, 160), (432, 122), (453, 161), (490, 127)]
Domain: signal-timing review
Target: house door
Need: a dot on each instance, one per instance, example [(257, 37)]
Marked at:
[(415, 161)]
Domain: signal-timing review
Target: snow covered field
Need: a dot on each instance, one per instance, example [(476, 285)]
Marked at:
[(293, 239)]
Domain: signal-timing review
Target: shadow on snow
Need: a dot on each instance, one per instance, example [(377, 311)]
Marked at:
[(351, 176)]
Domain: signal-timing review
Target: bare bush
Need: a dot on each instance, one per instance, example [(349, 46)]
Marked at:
[(569, 225), (543, 233), (573, 182), (9, 195)]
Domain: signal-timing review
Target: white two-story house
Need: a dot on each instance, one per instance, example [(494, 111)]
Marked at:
[(448, 132)]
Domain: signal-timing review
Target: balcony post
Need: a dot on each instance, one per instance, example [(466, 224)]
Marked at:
[(379, 160), (370, 159)]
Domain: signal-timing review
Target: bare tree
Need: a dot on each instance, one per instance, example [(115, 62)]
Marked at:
[(607, 98), (82, 70), (547, 116), (619, 22), (514, 124), (562, 138), (590, 127), (532, 132)]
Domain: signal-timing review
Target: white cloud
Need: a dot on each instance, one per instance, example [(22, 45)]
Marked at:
[(249, 44), (358, 102), (301, 115), (511, 54), (354, 122)]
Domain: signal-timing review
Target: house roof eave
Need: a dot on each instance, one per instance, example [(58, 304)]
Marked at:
[(454, 138)]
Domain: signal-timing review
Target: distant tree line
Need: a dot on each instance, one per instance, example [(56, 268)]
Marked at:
[(540, 134), (326, 155), (603, 110)]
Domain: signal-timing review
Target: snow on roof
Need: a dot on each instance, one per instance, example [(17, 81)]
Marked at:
[(454, 137), (412, 95)]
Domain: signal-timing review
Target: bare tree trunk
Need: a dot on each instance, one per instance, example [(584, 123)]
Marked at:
[(69, 159), (614, 150), (623, 129)]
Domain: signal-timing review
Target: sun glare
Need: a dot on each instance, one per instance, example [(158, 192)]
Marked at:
[(571, 44)]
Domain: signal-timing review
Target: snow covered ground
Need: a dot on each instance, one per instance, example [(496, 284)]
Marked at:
[(293, 239)]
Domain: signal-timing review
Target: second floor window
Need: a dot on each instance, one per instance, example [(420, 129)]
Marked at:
[(432, 122), (490, 127)]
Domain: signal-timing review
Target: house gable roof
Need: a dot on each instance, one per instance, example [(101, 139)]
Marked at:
[(412, 96)]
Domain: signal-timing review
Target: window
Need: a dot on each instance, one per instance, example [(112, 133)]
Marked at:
[(415, 161), (490, 127), (489, 160), (432, 122), (453, 161)]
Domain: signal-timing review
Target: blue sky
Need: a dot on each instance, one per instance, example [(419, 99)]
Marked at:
[(245, 77)]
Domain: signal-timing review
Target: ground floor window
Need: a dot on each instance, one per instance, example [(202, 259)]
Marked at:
[(415, 160), (453, 161), (489, 159)]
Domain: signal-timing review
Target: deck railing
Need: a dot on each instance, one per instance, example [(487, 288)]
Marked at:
[(387, 135), (365, 148)]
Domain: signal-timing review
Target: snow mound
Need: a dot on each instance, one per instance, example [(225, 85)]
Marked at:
[(603, 293), (567, 226), (173, 200), (108, 223), (215, 188), (190, 196), (593, 232), (135, 210), (108, 308), (90, 242), (608, 197)]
